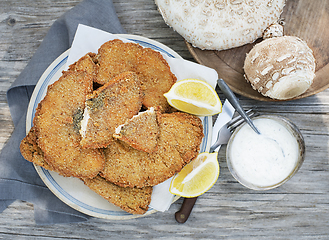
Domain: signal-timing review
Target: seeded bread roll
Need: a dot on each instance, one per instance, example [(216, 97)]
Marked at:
[(219, 24), (280, 67)]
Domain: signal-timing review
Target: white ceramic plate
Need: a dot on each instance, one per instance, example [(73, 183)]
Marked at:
[(72, 191)]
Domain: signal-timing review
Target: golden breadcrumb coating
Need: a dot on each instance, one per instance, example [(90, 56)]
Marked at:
[(184, 132), (110, 106), (31, 151), (142, 131), (115, 57), (57, 127), (129, 167), (131, 200), (87, 64), (157, 78)]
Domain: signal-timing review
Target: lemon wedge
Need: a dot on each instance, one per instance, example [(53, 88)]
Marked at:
[(194, 96), (196, 177)]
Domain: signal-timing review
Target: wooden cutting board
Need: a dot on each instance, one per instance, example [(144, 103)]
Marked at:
[(306, 19)]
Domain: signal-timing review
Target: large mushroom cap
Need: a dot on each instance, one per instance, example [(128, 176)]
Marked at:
[(280, 67), (220, 24)]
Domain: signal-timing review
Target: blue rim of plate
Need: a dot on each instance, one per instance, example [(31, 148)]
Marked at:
[(46, 176)]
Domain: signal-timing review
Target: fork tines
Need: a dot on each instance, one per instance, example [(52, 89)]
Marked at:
[(237, 121)]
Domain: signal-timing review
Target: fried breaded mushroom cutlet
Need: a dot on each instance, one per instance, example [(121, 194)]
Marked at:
[(31, 151), (157, 78), (184, 132), (86, 63), (108, 107), (131, 200), (116, 57), (128, 167), (57, 124), (141, 131), (152, 69)]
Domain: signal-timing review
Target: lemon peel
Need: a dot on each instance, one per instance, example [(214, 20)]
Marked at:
[(197, 177), (194, 96)]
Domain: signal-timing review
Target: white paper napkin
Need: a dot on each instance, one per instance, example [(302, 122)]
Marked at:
[(225, 116), (161, 197), (88, 39)]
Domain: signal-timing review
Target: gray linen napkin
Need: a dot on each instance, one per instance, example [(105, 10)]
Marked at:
[(18, 178)]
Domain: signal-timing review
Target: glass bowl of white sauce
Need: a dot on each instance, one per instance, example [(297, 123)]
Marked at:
[(269, 159)]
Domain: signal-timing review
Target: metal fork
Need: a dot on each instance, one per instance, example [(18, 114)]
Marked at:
[(223, 136), (226, 131)]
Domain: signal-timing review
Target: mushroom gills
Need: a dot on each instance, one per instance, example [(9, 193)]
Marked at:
[(289, 87)]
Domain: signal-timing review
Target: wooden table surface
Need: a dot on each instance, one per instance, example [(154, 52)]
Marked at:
[(297, 210)]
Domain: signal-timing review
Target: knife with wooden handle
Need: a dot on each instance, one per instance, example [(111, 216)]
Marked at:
[(182, 215)]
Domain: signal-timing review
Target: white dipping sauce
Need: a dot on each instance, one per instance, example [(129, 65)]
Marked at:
[(263, 159)]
